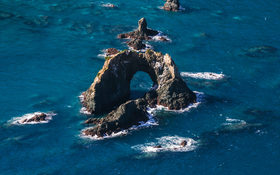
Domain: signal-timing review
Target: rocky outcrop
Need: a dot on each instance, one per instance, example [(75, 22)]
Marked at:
[(126, 115), (111, 51), (111, 86), (142, 32), (136, 44), (171, 5), (260, 51), (36, 118)]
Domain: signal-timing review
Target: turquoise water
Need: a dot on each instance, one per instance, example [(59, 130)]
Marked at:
[(45, 64)]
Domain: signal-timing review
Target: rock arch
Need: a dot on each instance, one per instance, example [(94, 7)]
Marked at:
[(111, 86)]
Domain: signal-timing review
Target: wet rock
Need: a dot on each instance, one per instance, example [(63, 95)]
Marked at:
[(111, 87), (136, 44), (171, 5), (183, 143), (111, 51), (37, 118), (260, 51), (157, 146), (125, 116), (142, 32)]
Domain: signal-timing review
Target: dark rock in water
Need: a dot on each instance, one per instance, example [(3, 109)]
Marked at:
[(36, 118), (260, 51), (136, 44), (111, 86), (5, 15), (142, 32), (183, 143), (111, 51), (158, 146), (126, 115), (171, 5)]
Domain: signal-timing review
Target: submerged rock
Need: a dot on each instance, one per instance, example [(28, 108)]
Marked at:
[(111, 86), (171, 5), (142, 32), (260, 51), (126, 115), (136, 44)]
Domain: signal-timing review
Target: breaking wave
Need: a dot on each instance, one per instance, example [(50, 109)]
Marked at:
[(161, 37), (168, 144), (83, 110), (22, 120), (203, 75), (199, 96), (150, 122)]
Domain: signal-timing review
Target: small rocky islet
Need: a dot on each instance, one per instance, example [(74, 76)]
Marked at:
[(113, 84)]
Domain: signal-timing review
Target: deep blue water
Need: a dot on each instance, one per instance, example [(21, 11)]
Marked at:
[(46, 65)]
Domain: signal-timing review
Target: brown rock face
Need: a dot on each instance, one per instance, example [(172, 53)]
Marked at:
[(37, 118), (171, 5), (126, 115), (136, 44), (111, 86), (111, 51), (142, 32)]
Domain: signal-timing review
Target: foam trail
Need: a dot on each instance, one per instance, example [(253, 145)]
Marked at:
[(148, 46), (203, 75), (20, 120), (161, 37), (168, 144)]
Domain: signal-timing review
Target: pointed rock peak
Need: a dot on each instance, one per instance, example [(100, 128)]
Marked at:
[(142, 25)]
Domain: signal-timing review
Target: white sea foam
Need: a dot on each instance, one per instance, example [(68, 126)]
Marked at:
[(21, 120), (109, 5), (148, 46), (203, 75), (83, 110), (233, 121), (168, 143), (117, 134), (159, 36), (82, 98), (199, 98), (104, 53), (150, 122)]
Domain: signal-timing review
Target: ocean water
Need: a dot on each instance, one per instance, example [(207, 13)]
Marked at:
[(49, 56)]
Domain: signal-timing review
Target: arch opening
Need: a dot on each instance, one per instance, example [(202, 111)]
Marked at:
[(140, 83)]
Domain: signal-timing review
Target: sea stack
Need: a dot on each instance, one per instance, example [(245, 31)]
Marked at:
[(171, 5), (110, 90), (142, 32)]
